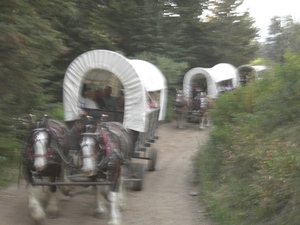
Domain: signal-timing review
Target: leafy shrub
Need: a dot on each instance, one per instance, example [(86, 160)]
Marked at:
[(249, 168)]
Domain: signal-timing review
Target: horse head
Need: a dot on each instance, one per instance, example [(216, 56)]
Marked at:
[(90, 152), (100, 144), (41, 141), (181, 101), (47, 140)]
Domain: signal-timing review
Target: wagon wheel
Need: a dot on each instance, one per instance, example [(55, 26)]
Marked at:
[(139, 174), (152, 159)]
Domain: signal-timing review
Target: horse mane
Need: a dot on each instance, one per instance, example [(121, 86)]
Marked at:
[(123, 136)]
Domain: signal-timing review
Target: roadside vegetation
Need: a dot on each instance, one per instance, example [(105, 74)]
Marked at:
[(249, 169)]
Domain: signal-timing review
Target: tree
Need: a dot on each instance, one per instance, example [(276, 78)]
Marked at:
[(187, 37), (223, 36), (283, 37), (233, 32), (273, 48), (83, 26), (136, 25), (28, 45)]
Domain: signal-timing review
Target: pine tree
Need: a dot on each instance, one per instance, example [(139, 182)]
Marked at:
[(233, 32), (28, 45), (283, 37)]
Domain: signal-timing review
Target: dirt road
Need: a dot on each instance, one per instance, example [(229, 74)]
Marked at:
[(168, 195)]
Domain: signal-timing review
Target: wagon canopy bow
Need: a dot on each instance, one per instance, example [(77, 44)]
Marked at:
[(137, 77), (214, 75)]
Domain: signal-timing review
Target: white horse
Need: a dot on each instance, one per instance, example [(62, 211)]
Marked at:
[(41, 159), (104, 151)]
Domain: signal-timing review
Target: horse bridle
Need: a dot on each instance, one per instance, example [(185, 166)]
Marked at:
[(86, 144), (37, 139)]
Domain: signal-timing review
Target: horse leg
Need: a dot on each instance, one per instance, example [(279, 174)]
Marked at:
[(177, 120), (207, 120), (180, 121), (122, 194), (115, 214), (36, 211), (114, 193), (65, 190), (51, 200), (99, 209), (201, 126)]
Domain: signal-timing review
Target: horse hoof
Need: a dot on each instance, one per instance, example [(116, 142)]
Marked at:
[(38, 219), (99, 212), (114, 222), (72, 193), (98, 215), (37, 214), (52, 216), (122, 204)]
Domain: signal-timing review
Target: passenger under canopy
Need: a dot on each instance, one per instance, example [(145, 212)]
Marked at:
[(103, 67)]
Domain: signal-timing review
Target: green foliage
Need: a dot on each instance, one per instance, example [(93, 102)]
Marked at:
[(57, 113), (172, 70), (249, 167), (258, 61), (11, 171), (283, 37), (232, 32)]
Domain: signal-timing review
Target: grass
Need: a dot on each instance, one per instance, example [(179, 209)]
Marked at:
[(249, 176), (9, 174), (249, 169)]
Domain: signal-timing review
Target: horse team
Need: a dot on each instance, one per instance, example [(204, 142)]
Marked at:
[(196, 108), (102, 149)]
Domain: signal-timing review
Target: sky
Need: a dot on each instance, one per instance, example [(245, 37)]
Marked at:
[(263, 10)]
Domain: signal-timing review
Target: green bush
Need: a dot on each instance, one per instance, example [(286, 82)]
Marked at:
[(249, 168)]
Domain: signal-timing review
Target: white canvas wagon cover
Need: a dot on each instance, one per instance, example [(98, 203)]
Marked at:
[(257, 69), (214, 75), (138, 77)]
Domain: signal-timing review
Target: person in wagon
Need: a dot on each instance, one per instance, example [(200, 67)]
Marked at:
[(152, 103), (87, 99), (121, 100), (109, 100), (99, 98)]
